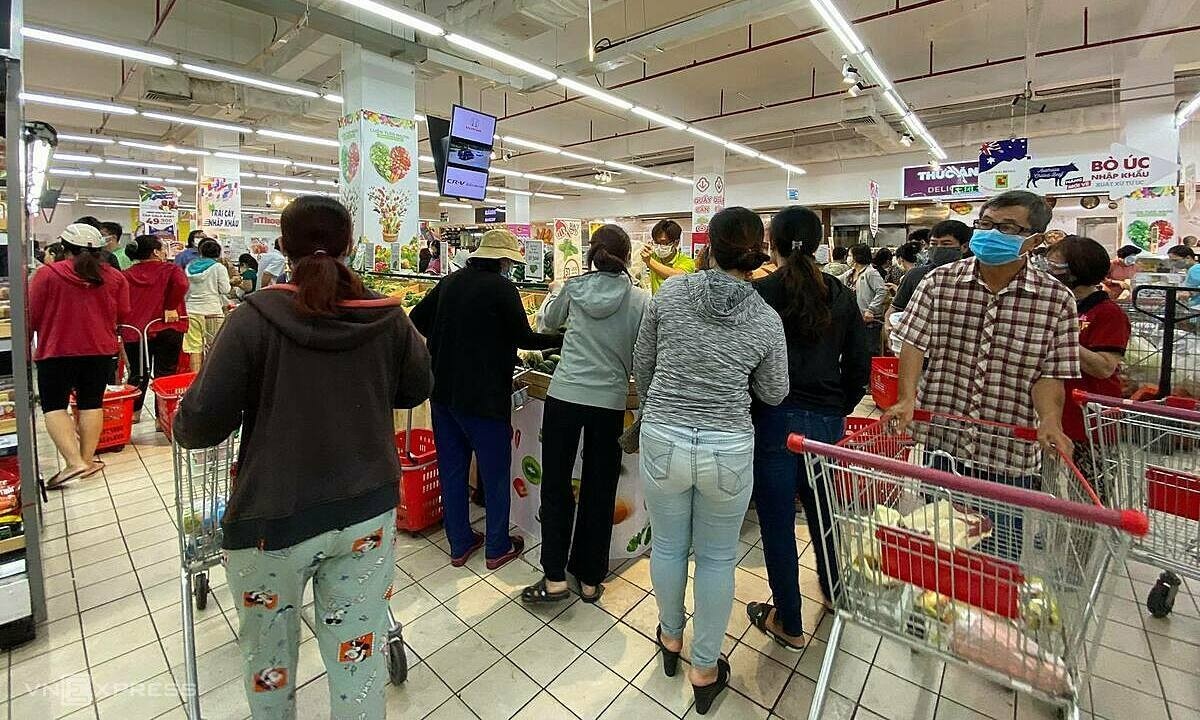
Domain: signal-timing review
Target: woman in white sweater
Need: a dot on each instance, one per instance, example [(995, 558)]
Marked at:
[(208, 288)]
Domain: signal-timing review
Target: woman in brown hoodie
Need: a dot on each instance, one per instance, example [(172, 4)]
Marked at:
[(156, 290)]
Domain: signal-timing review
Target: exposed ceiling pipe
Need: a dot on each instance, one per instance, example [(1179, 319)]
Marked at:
[(159, 21)]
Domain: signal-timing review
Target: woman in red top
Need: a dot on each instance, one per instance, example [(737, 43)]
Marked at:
[(156, 290), (74, 307), (1081, 264)]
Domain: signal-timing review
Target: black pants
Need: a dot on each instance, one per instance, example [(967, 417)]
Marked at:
[(562, 423), (164, 358)]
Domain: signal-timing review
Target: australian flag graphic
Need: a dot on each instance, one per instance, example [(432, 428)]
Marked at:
[(995, 152)]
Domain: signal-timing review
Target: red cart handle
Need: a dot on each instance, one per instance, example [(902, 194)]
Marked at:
[(1133, 522), (1169, 408)]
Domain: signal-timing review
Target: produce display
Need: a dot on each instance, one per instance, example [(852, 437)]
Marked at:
[(410, 290), (545, 362)]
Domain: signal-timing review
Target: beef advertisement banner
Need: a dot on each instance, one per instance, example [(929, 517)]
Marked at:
[(1118, 172)]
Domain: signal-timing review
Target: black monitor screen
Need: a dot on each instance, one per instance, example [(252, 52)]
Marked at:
[(472, 126), (468, 154)]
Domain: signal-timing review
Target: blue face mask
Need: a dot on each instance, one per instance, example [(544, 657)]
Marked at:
[(993, 247)]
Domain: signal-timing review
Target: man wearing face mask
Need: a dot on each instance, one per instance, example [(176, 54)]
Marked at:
[(662, 255), (948, 242), (993, 339)]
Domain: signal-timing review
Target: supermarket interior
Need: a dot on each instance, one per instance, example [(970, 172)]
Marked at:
[(892, 412)]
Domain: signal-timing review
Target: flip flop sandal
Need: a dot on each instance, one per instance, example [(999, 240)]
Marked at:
[(96, 467), (594, 597), (758, 614), (539, 593), (62, 477)]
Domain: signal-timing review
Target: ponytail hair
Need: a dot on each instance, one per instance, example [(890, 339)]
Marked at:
[(735, 236), (316, 234), (86, 264), (609, 250), (796, 232)]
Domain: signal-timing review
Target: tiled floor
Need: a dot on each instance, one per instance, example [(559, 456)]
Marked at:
[(113, 647)]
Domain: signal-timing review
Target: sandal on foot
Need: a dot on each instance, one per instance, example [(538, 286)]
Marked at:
[(62, 477), (594, 597), (758, 614), (540, 593), (97, 466)]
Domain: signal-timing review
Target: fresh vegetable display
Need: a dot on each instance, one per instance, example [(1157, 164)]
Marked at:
[(392, 163)]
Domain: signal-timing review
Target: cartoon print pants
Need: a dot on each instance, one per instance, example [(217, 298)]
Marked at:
[(351, 570)]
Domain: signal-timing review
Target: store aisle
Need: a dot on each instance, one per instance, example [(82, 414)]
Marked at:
[(113, 648)]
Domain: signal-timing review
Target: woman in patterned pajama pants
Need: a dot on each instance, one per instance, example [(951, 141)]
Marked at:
[(351, 571)]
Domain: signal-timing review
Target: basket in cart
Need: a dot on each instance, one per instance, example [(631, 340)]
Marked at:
[(118, 417), (167, 393), (885, 381), (420, 488), (946, 539), (1148, 454)]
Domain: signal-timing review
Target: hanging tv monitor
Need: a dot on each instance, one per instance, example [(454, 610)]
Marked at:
[(462, 152)]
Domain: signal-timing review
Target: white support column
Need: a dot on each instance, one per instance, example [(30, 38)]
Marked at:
[(516, 207), (218, 189), (1150, 219), (708, 191), (379, 160)]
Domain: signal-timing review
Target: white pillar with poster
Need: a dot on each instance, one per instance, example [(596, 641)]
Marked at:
[(378, 160), (708, 194), (219, 190)]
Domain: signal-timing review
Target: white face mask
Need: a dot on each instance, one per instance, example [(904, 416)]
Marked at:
[(1131, 260), (664, 252)]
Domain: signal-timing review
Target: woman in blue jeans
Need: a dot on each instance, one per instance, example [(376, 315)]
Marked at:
[(707, 342), (829, 368)]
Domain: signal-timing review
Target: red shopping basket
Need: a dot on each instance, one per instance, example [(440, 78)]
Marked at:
[(118, 417), (885, 381), (167, 392), (420, 488)]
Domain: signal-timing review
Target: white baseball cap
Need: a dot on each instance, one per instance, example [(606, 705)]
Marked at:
[(82, 235)]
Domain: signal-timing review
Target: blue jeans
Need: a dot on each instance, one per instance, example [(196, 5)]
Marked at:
[(697, 487), (779, 475), (456, 435)]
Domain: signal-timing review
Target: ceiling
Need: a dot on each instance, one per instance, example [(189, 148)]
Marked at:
[(767, 74)]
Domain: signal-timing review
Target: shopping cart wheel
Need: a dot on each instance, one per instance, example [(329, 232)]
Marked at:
[(1161, 599), (201, 591), (397, 660)]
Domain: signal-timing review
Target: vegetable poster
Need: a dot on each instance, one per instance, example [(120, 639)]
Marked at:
[(1150, 218), (219, 204), (568, 248), (377, 164), (631, 522)]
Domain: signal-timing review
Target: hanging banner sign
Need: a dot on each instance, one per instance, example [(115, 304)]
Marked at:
[(158, 212), (265, 220), (1150, 218), (793, 194), (568, 250), (949, 180), (1189, 186), (995, 152), (708, 199), (1119, 172), (873, 193), (219, 203)]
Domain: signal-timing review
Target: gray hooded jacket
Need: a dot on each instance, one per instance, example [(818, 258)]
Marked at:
[(708, 340), (602, 312)]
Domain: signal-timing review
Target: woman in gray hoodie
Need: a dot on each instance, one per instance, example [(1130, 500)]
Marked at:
[(708, 342), (602, 311)]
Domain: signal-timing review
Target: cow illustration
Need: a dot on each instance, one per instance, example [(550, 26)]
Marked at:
[(1050, 172)]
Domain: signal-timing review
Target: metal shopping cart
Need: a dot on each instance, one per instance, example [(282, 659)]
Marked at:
[(963, 562), (1148, 453)]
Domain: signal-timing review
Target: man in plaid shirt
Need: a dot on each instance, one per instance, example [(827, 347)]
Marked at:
[(996, 338)]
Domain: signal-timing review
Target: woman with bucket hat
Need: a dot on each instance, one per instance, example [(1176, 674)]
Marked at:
[(474, 321)]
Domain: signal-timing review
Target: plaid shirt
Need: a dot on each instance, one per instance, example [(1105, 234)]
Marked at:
[(985, 351)]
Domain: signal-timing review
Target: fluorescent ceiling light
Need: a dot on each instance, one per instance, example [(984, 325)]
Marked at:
[(142, 163), (253, 158), (250, 80), (334, 98), (122, 176), (98, 46), (329, 183), (419, 117), (876, 72), (75, 103), (509, 191), (192, 168), (1181, 117), (428, 193), (549, 196), (412, 21), (659, 118), (896, 103), (577, 184), (795, 170), (506, 172), (706, 135), (594, 92), (461, 206), (426, 181), (636, 169), (742, 150), (78, 158), (298, 138), (70, 171), (542, 178), (198, 122), (585, 158), (499, 56), (605, 188), (94, 139), (531, 144), (425, 158), (315, 166), (162, 148), (834, 20), (261, 188), (287, 178), (682, 180), (938, 152), (494, 201)]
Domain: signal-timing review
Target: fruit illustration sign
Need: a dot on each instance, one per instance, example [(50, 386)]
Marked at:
[(568, 248), (377, 164), (219, 203), (630, 521), (1150, 218)]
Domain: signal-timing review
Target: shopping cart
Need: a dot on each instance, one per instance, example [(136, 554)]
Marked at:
[(1149, 455), (1163, 357), (965, 564)]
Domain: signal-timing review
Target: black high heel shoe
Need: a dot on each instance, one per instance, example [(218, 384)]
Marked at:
[(670, 659), (706, 694)]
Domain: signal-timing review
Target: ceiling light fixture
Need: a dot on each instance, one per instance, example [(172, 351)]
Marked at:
[(287, 178), (198, 122), (77, 103), (428, 193), (706, 135), (253, 158), (142, 163), (549, 196), (594, 92), (162, 148), (877, 73), (419, 117), (316, 166), (78, 158), (250, 80), (659, 118), (426, 181), (1181, 117), (836, 23), (682, 180), (896, 103), (337, 99), (509, 191), (123, 176), (743, 150), (500, 56), (93, 139), (532, 145), (584, 158), (506, 172), (70, 171), (404, 18), (296, 137), (425, 158), (460, 206), (98, 46)]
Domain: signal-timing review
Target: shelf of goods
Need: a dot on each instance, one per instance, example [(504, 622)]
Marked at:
[(631, 523), (410, 288)]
